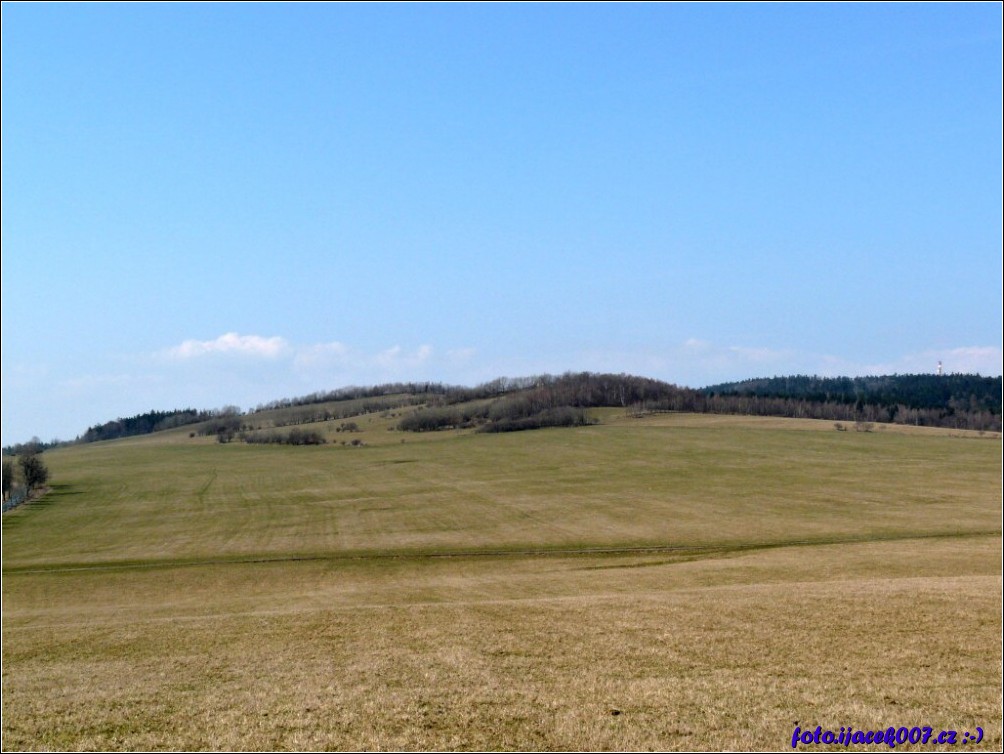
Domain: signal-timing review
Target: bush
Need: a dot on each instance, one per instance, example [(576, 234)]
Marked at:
[(294, 437), (430, 420), (565, 416)]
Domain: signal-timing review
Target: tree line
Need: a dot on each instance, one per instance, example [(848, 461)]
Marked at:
[(955, 401), (146, 423), (24, 474), (967, 392), (958, 401)]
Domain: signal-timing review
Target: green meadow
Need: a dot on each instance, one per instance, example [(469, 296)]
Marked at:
[(669, 581)]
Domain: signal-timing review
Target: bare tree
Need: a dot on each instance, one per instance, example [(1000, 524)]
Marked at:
[(8, 477), (33, 471)]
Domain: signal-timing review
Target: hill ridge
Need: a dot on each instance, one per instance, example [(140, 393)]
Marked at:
[(958, 401)]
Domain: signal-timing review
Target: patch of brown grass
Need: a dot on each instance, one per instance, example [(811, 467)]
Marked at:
[(720, 652)]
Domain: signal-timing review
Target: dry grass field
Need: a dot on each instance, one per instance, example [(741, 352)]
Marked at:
[(669, 582)]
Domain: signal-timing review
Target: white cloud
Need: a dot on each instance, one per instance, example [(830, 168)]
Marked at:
[(396, 357), (231, 343), (323, 355), (311, 357)]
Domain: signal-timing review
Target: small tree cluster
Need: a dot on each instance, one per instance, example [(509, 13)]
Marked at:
[(431, 420), (34, 472), (224, 426), (28, 472), (444, 417), (531, 409), (293, 437), (563, 416)]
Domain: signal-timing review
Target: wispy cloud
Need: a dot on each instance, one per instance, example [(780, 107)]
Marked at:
[(276, 360), (230, 343)]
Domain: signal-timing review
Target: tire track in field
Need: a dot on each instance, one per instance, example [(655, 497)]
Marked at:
[(201, 494), (710, 549)]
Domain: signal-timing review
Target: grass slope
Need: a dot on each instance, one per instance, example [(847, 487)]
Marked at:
[(671, 582)]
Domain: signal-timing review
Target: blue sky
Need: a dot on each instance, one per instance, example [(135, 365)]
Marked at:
[(226, 204)]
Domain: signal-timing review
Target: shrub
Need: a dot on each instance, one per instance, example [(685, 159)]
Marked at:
[(294, 437), (565, 416), (430, 420)]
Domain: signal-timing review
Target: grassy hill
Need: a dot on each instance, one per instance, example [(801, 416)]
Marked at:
[(666, 581), (957, 401)]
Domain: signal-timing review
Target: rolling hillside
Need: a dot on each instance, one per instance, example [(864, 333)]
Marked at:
[(501, 405), (657, 580)]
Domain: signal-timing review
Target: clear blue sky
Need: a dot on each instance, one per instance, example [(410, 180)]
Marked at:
[(213, 204)]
